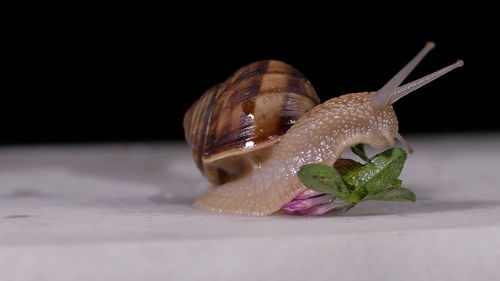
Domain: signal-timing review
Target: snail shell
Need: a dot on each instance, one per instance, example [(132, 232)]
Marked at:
[(235, 124)]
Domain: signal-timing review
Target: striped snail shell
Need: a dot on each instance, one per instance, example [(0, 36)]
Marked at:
[(234, 125)]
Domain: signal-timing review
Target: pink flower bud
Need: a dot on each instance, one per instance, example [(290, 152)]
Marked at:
[(303, 204), (307, 194)]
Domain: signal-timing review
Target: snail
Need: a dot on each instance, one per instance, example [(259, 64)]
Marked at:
[(250, 135)]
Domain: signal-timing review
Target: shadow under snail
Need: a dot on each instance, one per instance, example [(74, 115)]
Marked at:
[(250, 135)]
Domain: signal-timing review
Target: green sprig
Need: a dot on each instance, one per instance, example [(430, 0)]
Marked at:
[(377, 179)]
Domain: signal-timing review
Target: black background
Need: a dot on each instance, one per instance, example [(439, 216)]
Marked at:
[(128, 72)]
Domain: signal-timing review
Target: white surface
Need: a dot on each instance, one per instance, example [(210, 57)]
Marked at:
[(123, 212)]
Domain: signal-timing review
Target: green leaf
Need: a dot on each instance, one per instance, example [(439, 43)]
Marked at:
[(382, 171), (392, 194), (356, 196), (356, 182), (359, 150), (323, 178), (397, 182), (349, 169)]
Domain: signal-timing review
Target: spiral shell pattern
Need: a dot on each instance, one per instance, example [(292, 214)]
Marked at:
[(252, 108)]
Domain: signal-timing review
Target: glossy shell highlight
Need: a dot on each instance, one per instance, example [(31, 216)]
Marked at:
[(234, 124)]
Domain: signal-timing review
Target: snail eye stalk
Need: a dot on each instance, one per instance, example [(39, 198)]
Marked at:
[(382, 97), (391, 92), (412, 86)]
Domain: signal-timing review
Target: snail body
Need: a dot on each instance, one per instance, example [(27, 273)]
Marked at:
[(320, 133), (343, 123)]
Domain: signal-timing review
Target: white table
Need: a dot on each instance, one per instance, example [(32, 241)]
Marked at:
[(123, 212)]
